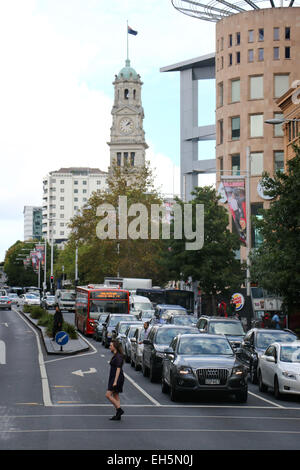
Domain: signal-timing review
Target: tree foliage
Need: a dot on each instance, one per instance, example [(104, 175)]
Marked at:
[(98, 258), (214, 266), (275, 264)]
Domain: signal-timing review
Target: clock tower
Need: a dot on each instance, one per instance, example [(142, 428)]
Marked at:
[(127, 137)]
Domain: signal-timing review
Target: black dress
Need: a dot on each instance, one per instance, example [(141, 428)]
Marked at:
[(115, 363)]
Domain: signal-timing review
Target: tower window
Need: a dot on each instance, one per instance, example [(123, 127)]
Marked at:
[(132, 157), (287, 53), (261, 34), (287, 32), (119, 158), (126, 94), (134, 94)]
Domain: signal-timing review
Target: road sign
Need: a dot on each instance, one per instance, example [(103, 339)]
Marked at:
[(62, 338)]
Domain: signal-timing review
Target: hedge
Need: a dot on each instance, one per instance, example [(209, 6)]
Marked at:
[(46, 319)]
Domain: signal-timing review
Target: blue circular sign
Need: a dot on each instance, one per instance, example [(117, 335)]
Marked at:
[(62, 338)]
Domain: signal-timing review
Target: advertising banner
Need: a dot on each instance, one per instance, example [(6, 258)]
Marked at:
[(235, 192)]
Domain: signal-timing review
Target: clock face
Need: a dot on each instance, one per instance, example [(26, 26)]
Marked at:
[(126, 126)]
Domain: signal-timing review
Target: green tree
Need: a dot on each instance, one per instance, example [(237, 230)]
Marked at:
[(17, 274), (214, 266), (275, 264), (98, 258)]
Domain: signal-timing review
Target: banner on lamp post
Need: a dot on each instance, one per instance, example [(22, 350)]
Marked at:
[(235, 192)]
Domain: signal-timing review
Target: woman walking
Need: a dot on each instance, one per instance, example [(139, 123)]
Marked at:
[(116, 379)]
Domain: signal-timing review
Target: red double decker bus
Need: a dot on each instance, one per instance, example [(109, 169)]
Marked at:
[(91, 301)]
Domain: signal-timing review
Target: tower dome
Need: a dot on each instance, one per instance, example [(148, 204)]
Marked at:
[(127, 72)]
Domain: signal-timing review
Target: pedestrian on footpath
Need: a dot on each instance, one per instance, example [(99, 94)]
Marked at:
[(57, 322), (116, 378)]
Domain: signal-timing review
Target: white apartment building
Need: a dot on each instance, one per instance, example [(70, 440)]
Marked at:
[(32, 222), (65, 191)]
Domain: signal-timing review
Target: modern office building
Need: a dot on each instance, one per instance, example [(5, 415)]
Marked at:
[(256, 61), (32, 223), (65, 191)]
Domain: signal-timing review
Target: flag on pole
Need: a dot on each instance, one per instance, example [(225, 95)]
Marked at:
[(131, 31)]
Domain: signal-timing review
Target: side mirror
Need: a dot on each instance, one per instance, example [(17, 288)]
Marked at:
[(202, 331), (270, 359), (169, 351)]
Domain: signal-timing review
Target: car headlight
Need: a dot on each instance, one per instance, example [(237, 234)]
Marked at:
[(185, 370), (239, 370), (289, 375)]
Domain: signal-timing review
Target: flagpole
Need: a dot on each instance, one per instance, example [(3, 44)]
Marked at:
[(127, 39)]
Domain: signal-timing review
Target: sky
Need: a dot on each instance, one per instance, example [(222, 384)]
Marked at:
[(58, 61)]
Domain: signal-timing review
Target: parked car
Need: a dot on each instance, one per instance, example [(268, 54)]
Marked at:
[(279, 369), (256, 341), (158, 339), (48, 302), (195, 362), (137, 347), (230, 327), (126, 341), (5, 302), (186, 320), (28, 299), (110, 324), (99, 326)]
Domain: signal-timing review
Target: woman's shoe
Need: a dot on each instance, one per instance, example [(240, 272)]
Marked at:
[(115, 418), (120, 412)]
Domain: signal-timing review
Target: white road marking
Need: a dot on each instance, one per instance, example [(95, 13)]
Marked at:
[(164, 430), (2, 353), (156, 403), (81, 373), (267, 401), (44, 378)]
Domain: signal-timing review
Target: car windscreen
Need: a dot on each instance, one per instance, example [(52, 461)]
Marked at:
[(114, 320), (265, 338), (184, 320), (109, 306), (226, 328), (206, 346), (290, 353), (68, 296), (142, 305), (31, 296), (165, 335), (173, 312)]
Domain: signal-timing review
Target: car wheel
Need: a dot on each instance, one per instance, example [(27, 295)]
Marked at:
[(262, 387), (253, 374), (242, 396), (152, 375), (137, 365), (132, 363), (277, 393), (174, 394), (145, 369), (164, 386)]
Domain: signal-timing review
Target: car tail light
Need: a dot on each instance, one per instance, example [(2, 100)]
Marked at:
[(9, 301)]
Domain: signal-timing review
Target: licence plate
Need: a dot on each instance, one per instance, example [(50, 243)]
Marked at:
[(212, 381)]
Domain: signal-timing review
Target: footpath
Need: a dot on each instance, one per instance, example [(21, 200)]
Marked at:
[(73, 346)]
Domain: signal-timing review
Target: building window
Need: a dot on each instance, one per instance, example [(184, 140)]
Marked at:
[(256, 87), (230, 40), (287, 52), (62, 216), (221, 93), (61, 233), (126, 94), (235, 164), (256, 163), (276, 53), (256, 125), (235, 128), (238, 39), (84, 191), (221, 164), (251, 35), (235, 90), (260, 54), (75, 199), (125, 158), (98, 183), (276, 34), (278, 128), (75, 182), (288, 33), (250, 55), (261, 34), (278, 160), (134, 94), (119, 158), (62, 181), (62, 190), (281, 84), (132, 158), (61, 208), (221, 134), (222, 44), (84, 182), (238, 57), (230, 59), (75, 191)]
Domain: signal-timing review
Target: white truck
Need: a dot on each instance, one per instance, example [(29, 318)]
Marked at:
[(65, 299), (128, 283)]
